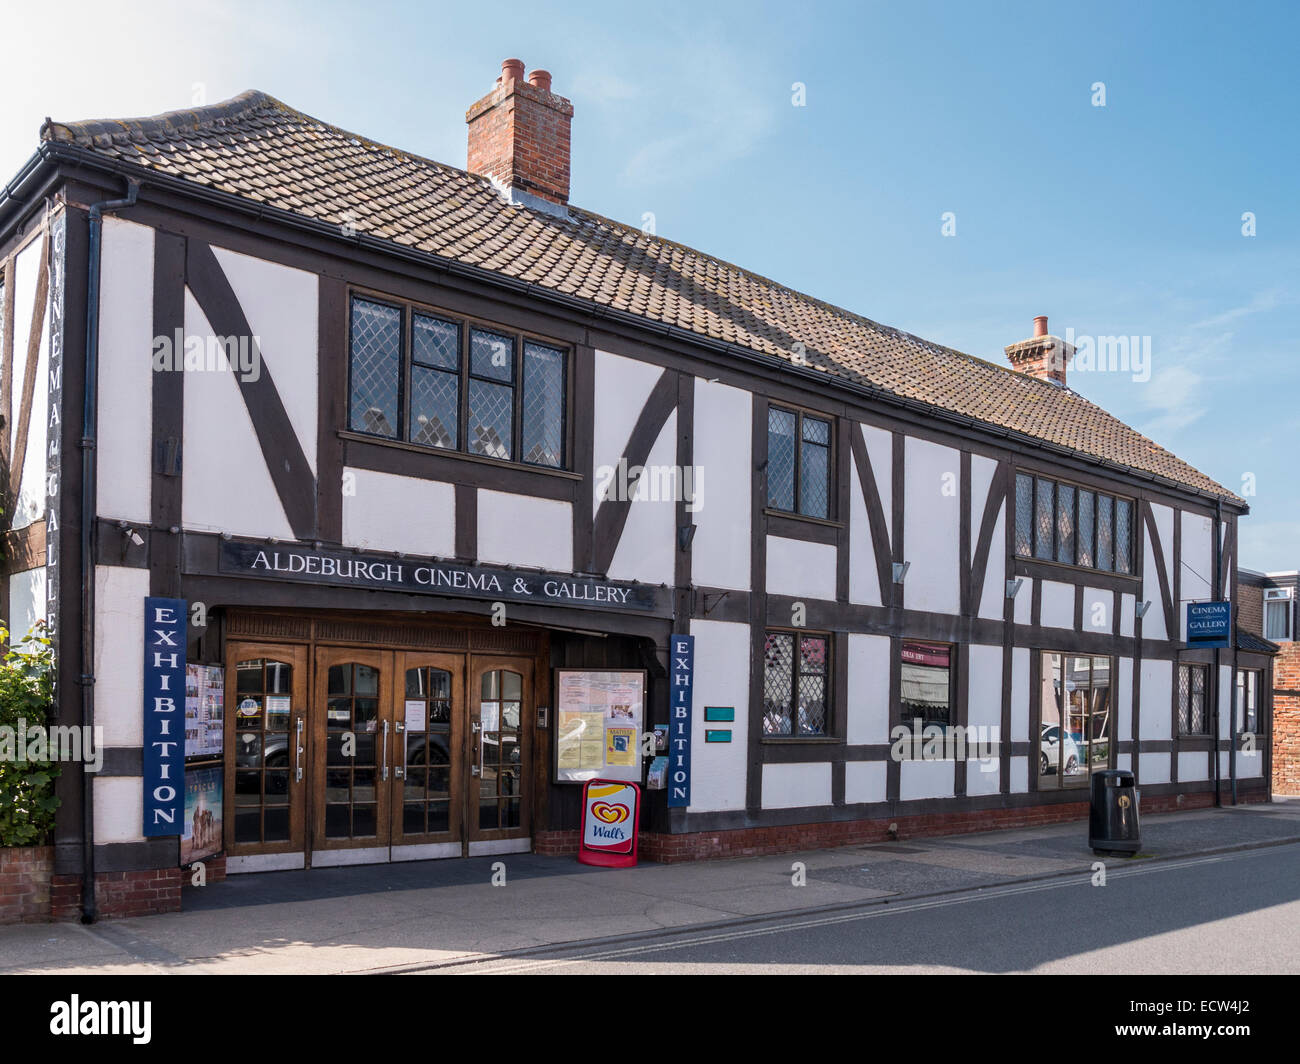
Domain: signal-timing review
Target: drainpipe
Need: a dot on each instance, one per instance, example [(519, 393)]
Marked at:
[(88, 422)]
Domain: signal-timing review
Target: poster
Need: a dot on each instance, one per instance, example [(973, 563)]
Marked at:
[(599, 716), (415, 715), (202, 835), (205, 687)]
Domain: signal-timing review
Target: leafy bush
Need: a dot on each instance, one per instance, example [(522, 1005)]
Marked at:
[(27, 801)]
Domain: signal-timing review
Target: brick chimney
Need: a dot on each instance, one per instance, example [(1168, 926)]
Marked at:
[(1042, 355), (519, 134)]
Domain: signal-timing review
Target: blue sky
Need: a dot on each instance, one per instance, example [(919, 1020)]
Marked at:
[(1117, 220)]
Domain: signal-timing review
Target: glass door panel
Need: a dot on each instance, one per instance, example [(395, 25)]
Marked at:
[(265, 748), (429, 725), (353, 737), (500, 748)]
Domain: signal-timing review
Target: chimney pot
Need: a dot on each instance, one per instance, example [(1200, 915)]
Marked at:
[(1040, 325), (519, 137), (1043, 356), (512, 70)]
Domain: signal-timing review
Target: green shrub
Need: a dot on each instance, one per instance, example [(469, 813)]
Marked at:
[(27, 801)]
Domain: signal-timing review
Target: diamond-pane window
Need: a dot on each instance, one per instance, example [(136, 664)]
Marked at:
[(780, 458), (1105, 532), (798, 463), (1192, 716), (795, 697), (376, 367), (1045, 517), (543, 405), (435, 342), (1087, 524), (491, 419), (1065, 523), (1024, 515), (491, 355), (1123, 536), (435, 407)]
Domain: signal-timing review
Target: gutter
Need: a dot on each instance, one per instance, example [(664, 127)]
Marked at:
[(88, 500), (59, 150)]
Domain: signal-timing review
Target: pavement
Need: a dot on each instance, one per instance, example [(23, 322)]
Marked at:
[(446, 914)]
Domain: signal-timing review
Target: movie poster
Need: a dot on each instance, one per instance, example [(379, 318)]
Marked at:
[(205, 687), (202, 835)]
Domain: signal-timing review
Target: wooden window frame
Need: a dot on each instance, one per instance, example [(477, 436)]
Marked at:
[(1204, 671), (1053, 555), (465, 324), (831, 459), (828, 676), (952, 648)]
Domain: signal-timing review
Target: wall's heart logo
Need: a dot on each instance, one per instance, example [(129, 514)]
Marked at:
[(610, 813)]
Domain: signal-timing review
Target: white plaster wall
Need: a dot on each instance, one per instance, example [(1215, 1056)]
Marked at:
[(880, 450), (1098, 611), (1197, 568), (1153, 624), (984, 701), (1020, 694), (631, 381), (993, 593), (125, 371), (718, 770), (226, 486), (724, 483), (932, 527), (1057, 609), (1156, 692), (1249, 766), (1123, 695), (30, 504), (1193, 765), (1023, 611), (392, 513), (119, 656), (794, 786), (524, 530), (864, 578), (926, 779), (983, 776), (27, 603), (119, 809), (1153, 768), (1127, 614), (801, 569), (647, 549), (864, 781), (1226, 707), (1020, 775), (281, 305), (868, 708)]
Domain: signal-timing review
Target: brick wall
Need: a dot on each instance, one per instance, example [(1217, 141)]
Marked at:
[(519, 134), (25, 873), (1250, 608), (1286, 720)]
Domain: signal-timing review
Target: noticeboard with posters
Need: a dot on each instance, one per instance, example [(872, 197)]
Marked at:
[(600, 715), (205, 689)]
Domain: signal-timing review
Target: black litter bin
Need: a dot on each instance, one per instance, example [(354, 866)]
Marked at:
[(1113, 819)]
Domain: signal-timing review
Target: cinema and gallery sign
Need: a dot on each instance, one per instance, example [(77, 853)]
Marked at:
[(345, 568)]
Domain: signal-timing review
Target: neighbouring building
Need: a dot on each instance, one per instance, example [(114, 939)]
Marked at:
[(1267, 609), (436, 463)]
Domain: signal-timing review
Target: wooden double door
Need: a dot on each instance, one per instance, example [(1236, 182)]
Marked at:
[(355, 755)]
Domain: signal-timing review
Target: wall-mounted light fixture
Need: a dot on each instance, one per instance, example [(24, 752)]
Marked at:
[(1141, 609), (685, 533), (1013, 587), (900, 571), (130, 533)]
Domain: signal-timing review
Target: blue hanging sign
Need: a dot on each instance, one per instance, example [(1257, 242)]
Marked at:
[(1209, 624), (164, 716), (681, 677)]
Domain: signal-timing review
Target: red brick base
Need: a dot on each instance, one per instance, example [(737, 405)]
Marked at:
[(25, 873), (759, 841), (141, 892)]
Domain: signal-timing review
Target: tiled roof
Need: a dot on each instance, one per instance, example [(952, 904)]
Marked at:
[(1254, 644), (257, 148)]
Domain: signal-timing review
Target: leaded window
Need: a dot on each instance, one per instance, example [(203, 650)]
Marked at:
[(798, 463), (796, 672), (1193, 716), (1071, 525), (449, 384)]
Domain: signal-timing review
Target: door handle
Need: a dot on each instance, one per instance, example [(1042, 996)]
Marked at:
[(298, 752), (384, 772)]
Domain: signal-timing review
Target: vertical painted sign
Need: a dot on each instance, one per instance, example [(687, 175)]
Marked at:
[(681, 672), (54, 427), (164, 716)]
